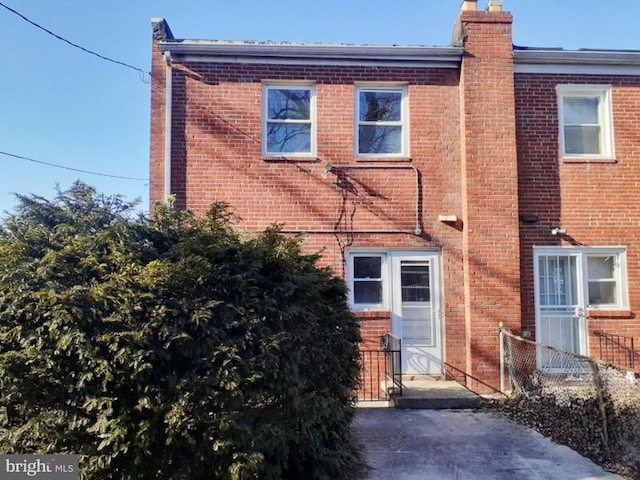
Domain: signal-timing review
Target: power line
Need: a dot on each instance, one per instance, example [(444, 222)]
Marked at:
[(75, 45), (20, 157)]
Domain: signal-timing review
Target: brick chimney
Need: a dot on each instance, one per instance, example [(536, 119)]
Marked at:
[(490, 187)]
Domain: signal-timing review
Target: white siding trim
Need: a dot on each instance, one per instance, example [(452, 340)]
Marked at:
[(629, 70)]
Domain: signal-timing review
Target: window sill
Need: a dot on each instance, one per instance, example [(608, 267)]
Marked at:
[(605, 160), (371, 314), (291, 159), (593, 313), (383, 159)]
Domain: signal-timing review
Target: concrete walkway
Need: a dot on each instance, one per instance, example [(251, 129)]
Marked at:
[(461, 445)]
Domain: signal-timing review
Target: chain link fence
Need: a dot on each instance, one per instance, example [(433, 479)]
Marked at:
[(592, 406)]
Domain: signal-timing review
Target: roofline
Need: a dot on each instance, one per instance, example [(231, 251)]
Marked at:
[(585, 57), (200, 50), (612, 62)]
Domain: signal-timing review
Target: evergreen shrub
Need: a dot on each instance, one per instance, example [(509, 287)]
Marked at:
[(174, 348)]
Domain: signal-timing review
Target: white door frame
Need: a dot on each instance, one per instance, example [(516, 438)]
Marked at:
[(418, 358), (574, 308)]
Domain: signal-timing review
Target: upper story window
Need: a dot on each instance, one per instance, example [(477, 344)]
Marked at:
[(586, 126), (381, 121), (288, 120)]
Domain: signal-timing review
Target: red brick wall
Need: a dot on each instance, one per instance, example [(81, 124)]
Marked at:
[(593, 201), (372, 326), (490, 190), (216, 156)]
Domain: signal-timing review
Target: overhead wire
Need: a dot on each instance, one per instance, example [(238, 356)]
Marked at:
[(141, 72), (75, 45), (56, 165)]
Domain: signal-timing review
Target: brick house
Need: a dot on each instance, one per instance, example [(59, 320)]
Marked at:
[(453, 187)]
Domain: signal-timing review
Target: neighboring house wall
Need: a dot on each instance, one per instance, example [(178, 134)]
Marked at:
[(593, 199)]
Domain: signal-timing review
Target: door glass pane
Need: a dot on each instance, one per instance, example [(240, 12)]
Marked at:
[(417, 326), (561, 331), (417, 314), (557, 276), (415, 283)]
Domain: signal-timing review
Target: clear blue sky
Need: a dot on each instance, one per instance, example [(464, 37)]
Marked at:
[(63, 106)]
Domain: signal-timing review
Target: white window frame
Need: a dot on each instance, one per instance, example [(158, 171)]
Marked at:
[(582, 254), (266, 87), (605, 119), (403, 123), (619, 279), (385, 276)]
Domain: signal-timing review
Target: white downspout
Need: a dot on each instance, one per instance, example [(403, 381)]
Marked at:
[(168, 105)]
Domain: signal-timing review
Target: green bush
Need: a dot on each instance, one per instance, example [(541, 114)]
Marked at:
[(172, 349)]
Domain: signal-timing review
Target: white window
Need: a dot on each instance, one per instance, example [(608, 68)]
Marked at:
[(586, 129), (586, 277), (603, 280), (288, 119), (368, 280), (381, 121)]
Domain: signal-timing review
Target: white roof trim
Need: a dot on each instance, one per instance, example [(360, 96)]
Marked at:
[(247, 52), (584, 62), (578, 69), (313, 61)]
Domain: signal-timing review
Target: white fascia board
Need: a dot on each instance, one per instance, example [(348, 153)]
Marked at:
[(310, 53), (585, 62)]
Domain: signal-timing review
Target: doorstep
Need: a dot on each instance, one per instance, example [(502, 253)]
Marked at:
[(435, 394)]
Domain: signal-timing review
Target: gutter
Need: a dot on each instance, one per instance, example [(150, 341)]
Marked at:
[(582, 57), (581, 62), (168, 118), (203, 50)]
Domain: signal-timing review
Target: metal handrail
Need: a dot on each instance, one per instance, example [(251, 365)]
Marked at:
[(616, 349), (379, 366), (392, 346)]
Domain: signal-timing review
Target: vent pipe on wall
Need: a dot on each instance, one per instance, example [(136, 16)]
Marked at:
[(168, 119)]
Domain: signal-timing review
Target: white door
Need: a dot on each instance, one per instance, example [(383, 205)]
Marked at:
[(560, 302), (415, 311)]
